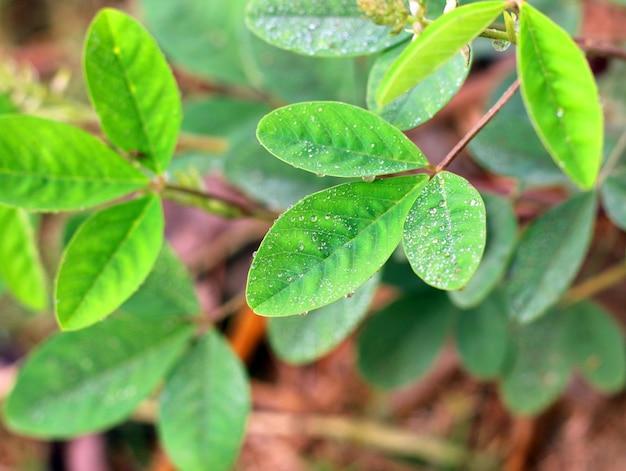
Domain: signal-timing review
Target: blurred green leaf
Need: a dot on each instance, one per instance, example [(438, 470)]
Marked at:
[(549, 255), (561, 96), (132, 88), (325, 28), (329, 244), (421, 102), (400, 343), (49, 166), (204, 407), (221, 116), (337, 139), (20, 263), (440, 41), (613, 193), (595, 344), (108, 258), (483, 338), (303, 339), (501, 239), (444, 232), (539, 370), (82, 382)]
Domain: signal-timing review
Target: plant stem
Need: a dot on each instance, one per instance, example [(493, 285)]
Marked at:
[(187, 141), (596, 284), (600, 48), (506, 96), (612, 160)]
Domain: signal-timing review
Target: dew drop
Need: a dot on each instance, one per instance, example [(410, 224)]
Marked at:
[(369, 178), (500, 45)]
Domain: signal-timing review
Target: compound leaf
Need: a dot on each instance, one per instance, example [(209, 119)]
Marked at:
[(439, 42), (399, 344), (132, 88), (549, 255), (107, 259), (86, 381), (20, 264), (329, 244), (49, 166), (204, 407), (303, 339), (337, 139), (561, 96), (595, 344), (444, 232), (323, 28)]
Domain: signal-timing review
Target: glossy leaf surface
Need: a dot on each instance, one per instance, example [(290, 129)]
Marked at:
[(20, 264), (204, 407), (132, 88), (539, 369), (336, 139), (501, 239), (81, 382), (329, 244), (49, 166), (400, 343), (331, 28), (106, 261), (439, 42), (483, 338), (549, 255), (422, 102), (303, 339), (168, 289), (444, 233), (595, 344), (561, 96)]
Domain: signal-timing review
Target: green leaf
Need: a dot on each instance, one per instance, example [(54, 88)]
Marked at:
[(204, 407), (106, 261), (325, 28), (549, 255), (168, 289), (613, 192), (132, 88), (337, 139), (20, 264), (421, 102), (82, 382), (439, 42), (501, 239), (444, 232), (483, 338), (539, 370), (595, 344), (221, 116), (400, 343), (329, 244), (48, 166), (303, 339), (561, 96)]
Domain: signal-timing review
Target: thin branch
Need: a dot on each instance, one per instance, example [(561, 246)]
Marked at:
[(600, 48), (596, 284), (506, 96), (612, 160)]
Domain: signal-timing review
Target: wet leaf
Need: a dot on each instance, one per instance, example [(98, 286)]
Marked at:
[(325, 28), (329, 244), (204, 407), (82, 382), (561, 96), (501, 239), (303, 339), (549, 255), (595, 344), (337, 139), (400, 343), (444, 232), (421, 102), (440, 41)]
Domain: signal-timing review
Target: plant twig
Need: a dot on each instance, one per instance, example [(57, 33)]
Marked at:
[(600, 48), (596, 284), (612, 160), (506, 96)]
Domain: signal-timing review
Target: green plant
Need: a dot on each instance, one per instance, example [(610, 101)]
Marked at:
[(507, 303)]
